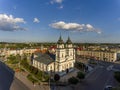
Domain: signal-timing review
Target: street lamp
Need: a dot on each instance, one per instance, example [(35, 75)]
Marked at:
[(50, 78)]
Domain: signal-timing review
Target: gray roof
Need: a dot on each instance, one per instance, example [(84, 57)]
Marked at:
[(44, 58)]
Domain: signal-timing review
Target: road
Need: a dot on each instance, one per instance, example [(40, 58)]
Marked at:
[(8, 81), (99, 78)]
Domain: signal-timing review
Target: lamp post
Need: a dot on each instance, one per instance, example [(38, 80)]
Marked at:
[(50, 78)]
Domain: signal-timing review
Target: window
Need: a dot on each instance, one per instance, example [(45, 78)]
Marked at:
[(58, 55), (51, 68), (62, 55)]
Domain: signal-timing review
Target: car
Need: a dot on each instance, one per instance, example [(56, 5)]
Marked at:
[(108, 87)]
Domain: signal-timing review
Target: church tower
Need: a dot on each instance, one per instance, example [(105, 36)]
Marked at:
[(65, 56), (60, 55), (60, 43), (69, 43), (60, 51), (70, 52)]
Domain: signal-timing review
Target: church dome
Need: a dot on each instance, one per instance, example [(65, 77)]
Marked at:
[(69, 41), (60, 41)]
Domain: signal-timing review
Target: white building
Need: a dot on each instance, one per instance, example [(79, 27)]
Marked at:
[(99, 55), (62, 62)]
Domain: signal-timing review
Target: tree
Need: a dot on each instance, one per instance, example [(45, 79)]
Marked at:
[(80, 75), (73, 80), (56, 77), (117, 76)]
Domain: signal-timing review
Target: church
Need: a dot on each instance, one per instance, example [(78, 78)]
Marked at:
[(61, 63)]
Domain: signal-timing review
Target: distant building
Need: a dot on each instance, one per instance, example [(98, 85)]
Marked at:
[(61, 63), (99, 55)]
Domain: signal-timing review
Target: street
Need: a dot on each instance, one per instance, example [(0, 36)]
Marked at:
[(99, 78), (8, 81)]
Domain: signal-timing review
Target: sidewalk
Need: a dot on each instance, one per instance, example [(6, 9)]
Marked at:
[(22, 77)]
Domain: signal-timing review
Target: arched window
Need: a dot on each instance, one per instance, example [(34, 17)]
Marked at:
[(58, 55), (62, 55), (51, 68)]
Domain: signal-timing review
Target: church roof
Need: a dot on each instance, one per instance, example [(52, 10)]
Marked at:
[(69, 41), (44, 58), (60, 41)]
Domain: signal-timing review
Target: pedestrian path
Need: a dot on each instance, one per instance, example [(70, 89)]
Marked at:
[(22, 77)]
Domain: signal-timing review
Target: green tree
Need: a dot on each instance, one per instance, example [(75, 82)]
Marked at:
[(73, 80), (81, 75), (117, 75), (12, 59)]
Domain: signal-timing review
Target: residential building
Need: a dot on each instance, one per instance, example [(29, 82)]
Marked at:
[(99, 55)]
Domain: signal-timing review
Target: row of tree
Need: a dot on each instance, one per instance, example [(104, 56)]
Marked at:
[(42, 76)]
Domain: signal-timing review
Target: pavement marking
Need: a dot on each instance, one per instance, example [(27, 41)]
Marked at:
[(109, 67)]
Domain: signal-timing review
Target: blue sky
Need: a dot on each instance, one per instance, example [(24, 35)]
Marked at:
[(45, 20)]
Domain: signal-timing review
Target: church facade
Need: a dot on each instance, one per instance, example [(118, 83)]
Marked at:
[(63, 61)]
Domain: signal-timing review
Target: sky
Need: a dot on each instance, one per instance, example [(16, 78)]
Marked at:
[(92, 21)]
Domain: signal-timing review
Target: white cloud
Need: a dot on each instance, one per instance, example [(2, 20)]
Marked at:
[(74, 27), (9, 23), (119, 19), (61, 7), (56, 1), (36, 20)]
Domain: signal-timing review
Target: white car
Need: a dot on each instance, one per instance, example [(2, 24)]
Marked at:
[(108, 87)]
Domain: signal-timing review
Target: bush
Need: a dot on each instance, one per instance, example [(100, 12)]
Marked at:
[(46, 77), (117, 75), (29, 76), (80, 75), (79, 65), (73, 80), (39, 75)]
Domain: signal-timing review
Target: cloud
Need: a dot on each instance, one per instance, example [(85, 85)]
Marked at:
[(36, 20), (57, 2), (14, 7), (74, 27), (61, 7), (119, 19), (9, 23)]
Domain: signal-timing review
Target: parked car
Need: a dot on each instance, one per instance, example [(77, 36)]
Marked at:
[(108, 87)]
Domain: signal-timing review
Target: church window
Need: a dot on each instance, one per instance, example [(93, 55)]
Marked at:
[(67, 65), (62, 54), (51, 68), (58, 55)]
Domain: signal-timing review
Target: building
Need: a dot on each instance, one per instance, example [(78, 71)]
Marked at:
[(61, 63), (99, 55)]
